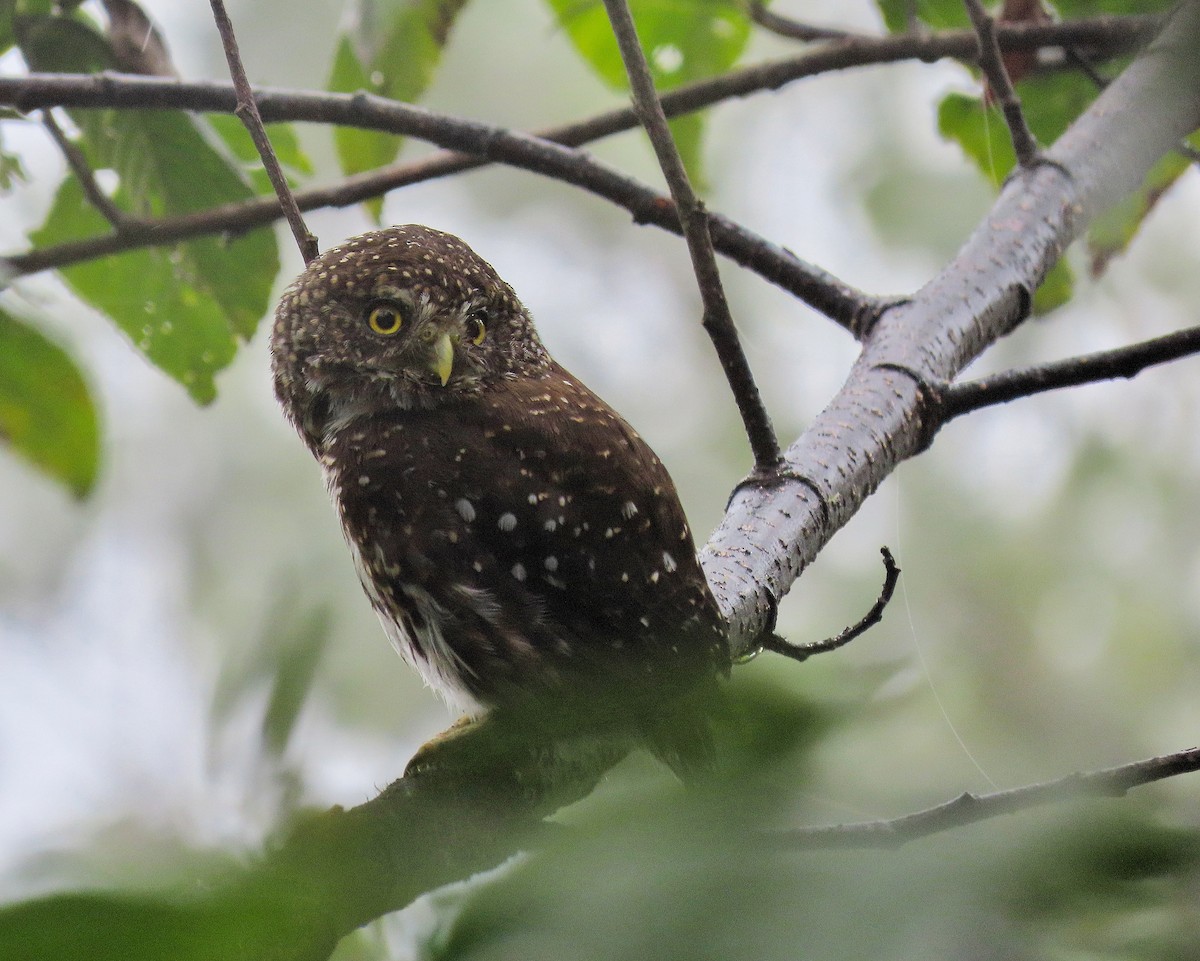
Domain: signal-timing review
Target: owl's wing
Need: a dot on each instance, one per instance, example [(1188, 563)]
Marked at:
[(550, 537)]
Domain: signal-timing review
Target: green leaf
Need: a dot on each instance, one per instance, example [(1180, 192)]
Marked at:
[(1112, 231), (980, 133), (46, 411), (11, 168), (1056, 288), (937, 14), (1090, 8), (291, 155), (684, 40), (1051, 103), (150, 294), (392, 48), (180, 307)]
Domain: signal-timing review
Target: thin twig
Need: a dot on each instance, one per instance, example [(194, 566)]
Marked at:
[(810, 284), (970, 808), (793, 29), (693, 217), (121, 221), (1112, 34), (1104, 365), (990, 62), (247, 112), (802, 652)]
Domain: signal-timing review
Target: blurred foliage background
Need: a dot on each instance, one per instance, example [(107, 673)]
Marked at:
[(186, 658)]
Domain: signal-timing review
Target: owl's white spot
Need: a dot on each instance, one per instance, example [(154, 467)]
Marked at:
[(533, 498), (628, 509), (550, 525), (518, 571), (478, 567), (624, 577), (507, 522), (645, 621), (364, 480), (466, 510), (654, 577), (669, 563), (551, 563)]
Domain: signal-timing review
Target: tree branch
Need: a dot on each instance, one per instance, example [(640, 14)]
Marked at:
[(1023, 141), (120, 221), (718, 320), (565, 164), (794, 29), (247, 112), (887, 410), (802, 652), (1104, 365), (971, 808), (1108, 35)]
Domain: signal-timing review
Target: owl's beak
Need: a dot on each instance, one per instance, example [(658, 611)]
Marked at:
[(442, 360)]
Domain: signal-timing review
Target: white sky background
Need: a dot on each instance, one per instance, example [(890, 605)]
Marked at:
[(121, 619)]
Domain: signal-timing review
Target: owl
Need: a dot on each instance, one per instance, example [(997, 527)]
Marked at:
[(524, 548)]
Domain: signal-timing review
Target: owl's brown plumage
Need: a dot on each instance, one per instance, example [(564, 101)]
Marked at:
[(519, 540)]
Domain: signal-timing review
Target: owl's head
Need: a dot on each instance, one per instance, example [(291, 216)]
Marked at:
[(403, 317)]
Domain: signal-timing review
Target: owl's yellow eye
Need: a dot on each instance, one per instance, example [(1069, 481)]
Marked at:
[(476, 329), (385, 318)]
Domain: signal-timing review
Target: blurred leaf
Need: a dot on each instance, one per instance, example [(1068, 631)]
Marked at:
[(46, 411), (296, 656), (135, 40), (149, 294), (938, 14), (1111, 232), (93, 926), (1090, 8), (1051, 103), (391, 48), (1056, 288), (291, 155), (684, 40), (11, 168), (979, 132), (166, 166), (1099, 862), (9, 12)]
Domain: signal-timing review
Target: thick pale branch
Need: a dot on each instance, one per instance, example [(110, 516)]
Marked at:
[(887, 411)]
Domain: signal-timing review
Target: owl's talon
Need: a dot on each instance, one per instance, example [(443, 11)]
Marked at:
[(441, 748)]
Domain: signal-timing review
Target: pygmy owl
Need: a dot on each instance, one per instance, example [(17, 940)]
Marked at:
[(521, 544)]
